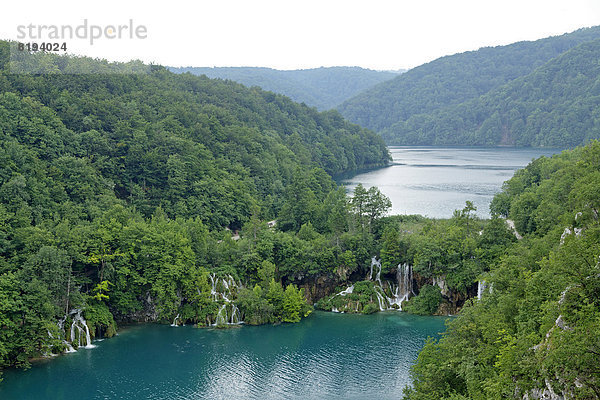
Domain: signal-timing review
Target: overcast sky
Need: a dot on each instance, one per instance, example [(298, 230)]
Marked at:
[(289, 34)]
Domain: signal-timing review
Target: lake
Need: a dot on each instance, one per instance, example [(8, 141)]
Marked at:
[(435, 181), (326, 356)]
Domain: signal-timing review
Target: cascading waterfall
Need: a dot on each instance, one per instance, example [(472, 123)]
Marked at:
[(222, 289), (79, 327), (235, 315), (389, 295), (380, 298), (346, 291), (374, 262), (61, 327), (400, 293), (221, 315), (213, 287), (175, 321), (404, 290), (405, 279), (396, 298), (480, 289)]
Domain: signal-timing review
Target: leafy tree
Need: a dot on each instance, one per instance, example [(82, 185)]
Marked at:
[(294, 304), (392, 249)]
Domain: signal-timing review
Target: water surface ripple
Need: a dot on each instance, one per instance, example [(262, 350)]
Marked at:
[(435, 181), (326, 356)]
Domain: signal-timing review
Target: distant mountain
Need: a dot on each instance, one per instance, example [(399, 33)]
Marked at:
[(324, 88), (405, 109), (556, 105)]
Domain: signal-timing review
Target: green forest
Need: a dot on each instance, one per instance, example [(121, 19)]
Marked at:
[(522, 94), (324, 88), (122, 195)]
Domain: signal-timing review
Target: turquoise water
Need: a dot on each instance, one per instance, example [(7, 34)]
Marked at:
[(326, 356), (435, 181)]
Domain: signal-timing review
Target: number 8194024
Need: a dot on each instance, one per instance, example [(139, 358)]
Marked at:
[(44, 46)]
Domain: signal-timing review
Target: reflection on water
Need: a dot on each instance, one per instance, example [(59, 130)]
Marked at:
[(436, 181)]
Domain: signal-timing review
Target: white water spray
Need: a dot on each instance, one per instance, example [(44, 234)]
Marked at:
[(404, 290), (80, 329), (223, 289)]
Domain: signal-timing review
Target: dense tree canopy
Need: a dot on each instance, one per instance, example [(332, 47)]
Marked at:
[(195, 146)]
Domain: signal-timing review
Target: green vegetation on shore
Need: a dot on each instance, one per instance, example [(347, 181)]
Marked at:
[(535, 329)]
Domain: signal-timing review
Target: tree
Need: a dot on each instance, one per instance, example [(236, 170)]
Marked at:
[(392, 250), (293, 304), (369, 205), (377, 205), (359, 205)]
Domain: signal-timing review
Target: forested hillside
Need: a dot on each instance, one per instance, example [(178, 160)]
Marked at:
[(170, 140), (405, 109), (555, 106), (324, 88), (534, 332), (121, 195)]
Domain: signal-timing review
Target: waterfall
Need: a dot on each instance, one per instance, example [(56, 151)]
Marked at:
[(396, 298), (213, 287), (175, 321), (404, 290), (80, 327), (223, 289), (404, 276), (400, 293), (374, 261), (235, 315), (70, 349), (380, 299), (221, 319), (481, 285), (382, 302), (61, 326), (390, 299), (346, 291)]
